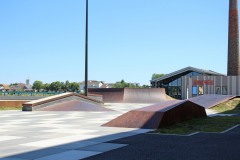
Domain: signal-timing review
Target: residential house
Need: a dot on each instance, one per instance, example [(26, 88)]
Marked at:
[(91, 84), (4, 87)]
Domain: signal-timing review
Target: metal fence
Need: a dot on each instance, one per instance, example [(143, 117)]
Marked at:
[(38, 94)]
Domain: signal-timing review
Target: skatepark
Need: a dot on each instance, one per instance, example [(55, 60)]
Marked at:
[(74, 126), (157, 108)]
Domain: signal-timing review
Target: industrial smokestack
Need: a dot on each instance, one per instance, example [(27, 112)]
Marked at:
[(233, 40)]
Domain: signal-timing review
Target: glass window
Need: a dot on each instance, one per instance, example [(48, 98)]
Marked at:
[(218, 90), (179, 91), (194, 90), (200, 90), (224, 90), (173, 83), (196, 74), (180, 82)]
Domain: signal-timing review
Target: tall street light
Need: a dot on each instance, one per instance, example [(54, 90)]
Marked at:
[(86, 52)]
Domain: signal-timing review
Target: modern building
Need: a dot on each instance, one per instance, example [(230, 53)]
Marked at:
[(190, 82), (175, 83), (193, 86)]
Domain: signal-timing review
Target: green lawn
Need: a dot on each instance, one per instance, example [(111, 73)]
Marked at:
[(229, 107), (2, 108), (208, 124)]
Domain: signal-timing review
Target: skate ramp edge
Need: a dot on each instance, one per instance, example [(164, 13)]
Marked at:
[(211, 100), (45, 102), (159, 115)]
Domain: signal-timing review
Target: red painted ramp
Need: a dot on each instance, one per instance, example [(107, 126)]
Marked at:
[(110, 95), (158, 115), (131, 95), (74, 105), (148, 95), (211, 100)]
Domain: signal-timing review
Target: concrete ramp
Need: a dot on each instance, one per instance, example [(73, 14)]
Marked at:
[(159, 115), (210, 100), (64, 102), (131, 95)]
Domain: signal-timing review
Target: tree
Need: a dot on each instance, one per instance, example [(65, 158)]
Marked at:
[(74, 86), (123, 84), (145, 86), (46, 87), (155, 76), (67, 86), (38, 85), (56, 86)]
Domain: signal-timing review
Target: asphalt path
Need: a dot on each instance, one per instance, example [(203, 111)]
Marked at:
[(202, 146)]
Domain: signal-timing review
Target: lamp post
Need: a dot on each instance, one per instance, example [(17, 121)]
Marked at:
[(86, 52)]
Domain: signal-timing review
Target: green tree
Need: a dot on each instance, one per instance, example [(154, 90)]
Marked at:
[(74, 87), (56, 86), (145, 86), (155, 76), (67, 86), (123, 84), (46, 87), (38, 85)]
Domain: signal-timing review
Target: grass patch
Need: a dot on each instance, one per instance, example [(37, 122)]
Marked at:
[(229, 107), (208, 124), (3, 108)]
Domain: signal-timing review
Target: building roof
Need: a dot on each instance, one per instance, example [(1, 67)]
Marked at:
[(92, 81), (5, 86), (187, 69)]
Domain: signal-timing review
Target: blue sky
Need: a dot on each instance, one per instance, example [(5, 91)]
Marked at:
[(128, 39)]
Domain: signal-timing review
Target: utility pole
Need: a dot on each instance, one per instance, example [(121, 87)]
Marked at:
[(86, 52)]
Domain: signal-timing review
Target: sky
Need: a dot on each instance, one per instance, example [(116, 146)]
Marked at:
[(128, 39)]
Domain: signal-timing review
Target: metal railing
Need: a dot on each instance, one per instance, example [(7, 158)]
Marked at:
[(39, 94)]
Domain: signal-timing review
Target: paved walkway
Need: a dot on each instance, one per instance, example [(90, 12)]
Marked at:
[(60, 135)]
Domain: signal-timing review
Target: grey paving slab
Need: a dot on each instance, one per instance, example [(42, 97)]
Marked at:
[(103, 147), (112, 137), (12, 159), (77, 145), (18, 141), (8, 151), (46, 135), (70, 155), (31, 135), (39, 153)]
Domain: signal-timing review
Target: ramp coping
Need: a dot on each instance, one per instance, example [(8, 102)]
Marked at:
[(57, 97)]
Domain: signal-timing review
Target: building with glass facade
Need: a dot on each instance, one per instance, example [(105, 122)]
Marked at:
[(174, 83)]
